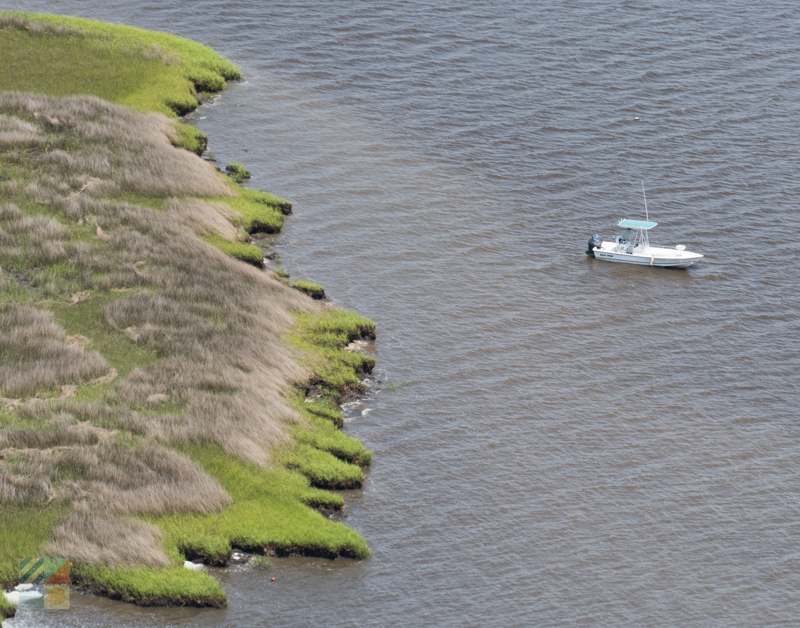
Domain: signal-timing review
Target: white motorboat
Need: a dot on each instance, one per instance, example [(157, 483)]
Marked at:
[(633, 247)]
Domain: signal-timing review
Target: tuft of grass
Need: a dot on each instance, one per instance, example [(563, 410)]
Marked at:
[(189, 137), (323, 408), (146, 70), (246, 252), (314, 290), (170, 586), (237, 171), (323, 468), (334, 327), (327, 438), (257, 211), (320, 499)]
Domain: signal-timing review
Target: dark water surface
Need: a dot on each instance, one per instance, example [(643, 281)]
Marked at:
[(581, 443)]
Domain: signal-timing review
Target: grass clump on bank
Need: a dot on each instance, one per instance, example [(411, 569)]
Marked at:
[(314, 290), (329, 458), (323, 468), (237, 171), (240, 250), (323, 408), (322, 338), (189, 137), (258, 211)]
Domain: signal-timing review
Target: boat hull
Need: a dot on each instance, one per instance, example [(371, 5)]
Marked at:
[(652, 256)]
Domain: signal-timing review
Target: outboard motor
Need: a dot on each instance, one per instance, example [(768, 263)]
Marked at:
[(594, 241)]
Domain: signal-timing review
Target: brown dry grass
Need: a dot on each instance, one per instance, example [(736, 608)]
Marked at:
[(19, 489), (145, 480), (34, 355), (38, 28), (104, 539), (30, 438), (216, 325), (9, 211), (15, 132), (128, 147)]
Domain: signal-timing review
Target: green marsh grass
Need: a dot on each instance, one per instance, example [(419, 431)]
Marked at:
[(26, 529), (213, 550), (7, 609), (237, 171), (246, 252), (84, 318), (327, 438), (314, 290), (257, 211), (324, 421), (324, 469), (269, 513), (322, 338), (146, 70), (323, 408), (189, 137), (322, 499), (169, 586)]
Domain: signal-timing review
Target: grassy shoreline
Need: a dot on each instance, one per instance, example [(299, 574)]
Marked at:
[(162, 396)]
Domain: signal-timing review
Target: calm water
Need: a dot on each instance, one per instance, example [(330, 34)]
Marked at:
[(580, 443)]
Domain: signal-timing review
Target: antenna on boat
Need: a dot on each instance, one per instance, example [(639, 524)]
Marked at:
[(645, 203)]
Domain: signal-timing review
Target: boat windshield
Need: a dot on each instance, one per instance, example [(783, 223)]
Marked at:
[(634, 237)]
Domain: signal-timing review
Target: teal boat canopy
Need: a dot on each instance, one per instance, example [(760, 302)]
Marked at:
[(637, 224)]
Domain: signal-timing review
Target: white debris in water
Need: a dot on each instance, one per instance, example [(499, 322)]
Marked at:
[(193, 566)]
